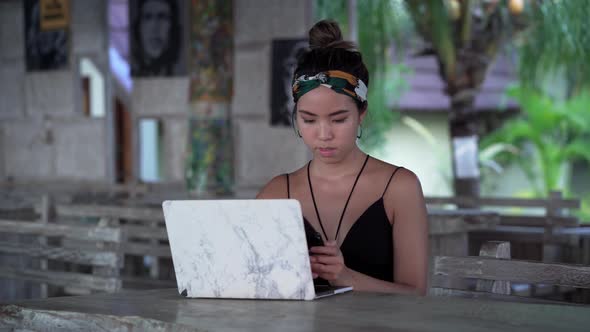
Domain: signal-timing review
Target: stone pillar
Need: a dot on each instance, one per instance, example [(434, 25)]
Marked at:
[(261, 151)]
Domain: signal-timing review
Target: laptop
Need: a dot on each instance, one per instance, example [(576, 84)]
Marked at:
[(243, 249)]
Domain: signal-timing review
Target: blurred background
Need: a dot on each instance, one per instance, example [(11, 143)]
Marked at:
[(121, 104)]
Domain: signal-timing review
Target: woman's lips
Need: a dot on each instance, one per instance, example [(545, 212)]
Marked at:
[(327, 152)]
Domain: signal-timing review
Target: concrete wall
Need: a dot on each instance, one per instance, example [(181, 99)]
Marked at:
[(43, 131), (45, 136), (262, 151), (12, 69)]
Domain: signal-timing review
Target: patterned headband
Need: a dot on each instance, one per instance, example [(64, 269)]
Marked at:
[(336, 80)]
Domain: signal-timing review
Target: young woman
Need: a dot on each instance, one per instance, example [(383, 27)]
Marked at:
[(370, 214)]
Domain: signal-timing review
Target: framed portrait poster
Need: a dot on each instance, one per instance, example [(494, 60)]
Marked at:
[(284, 61), (156, 37)]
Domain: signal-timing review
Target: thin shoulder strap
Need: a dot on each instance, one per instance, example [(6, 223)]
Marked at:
[(288, 187), (390, 178)]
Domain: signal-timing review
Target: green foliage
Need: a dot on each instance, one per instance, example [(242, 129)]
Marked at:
[(386, 89), (584, 213), (487, 157), (380, 23), (557, 40), (551, 36), (333, 10), (434, 25), (549, 134)]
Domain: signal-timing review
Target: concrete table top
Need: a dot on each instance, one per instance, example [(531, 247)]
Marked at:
[(165, 310)]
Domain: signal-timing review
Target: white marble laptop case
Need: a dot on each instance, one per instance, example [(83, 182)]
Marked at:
[(239, 249)]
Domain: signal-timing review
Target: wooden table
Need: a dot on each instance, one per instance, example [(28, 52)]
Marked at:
[(165, 310)]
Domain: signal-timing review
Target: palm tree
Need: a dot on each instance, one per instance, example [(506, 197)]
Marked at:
[(465, 36)]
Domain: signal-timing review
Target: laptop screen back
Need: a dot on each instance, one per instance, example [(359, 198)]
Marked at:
[(239, 249)]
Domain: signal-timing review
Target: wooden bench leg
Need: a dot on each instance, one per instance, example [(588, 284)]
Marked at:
[(496, 249), (46, 214)]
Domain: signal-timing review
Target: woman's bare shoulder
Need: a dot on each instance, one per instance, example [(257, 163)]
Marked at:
[(275, 188), (402, 180), (278, 187), (380, 168)]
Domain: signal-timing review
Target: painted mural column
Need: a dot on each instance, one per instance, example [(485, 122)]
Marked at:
[(208, 168)]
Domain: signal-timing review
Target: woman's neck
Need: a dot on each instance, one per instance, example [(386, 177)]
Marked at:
[(350, 165)]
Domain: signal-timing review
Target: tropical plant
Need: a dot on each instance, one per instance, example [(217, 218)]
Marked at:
[(381, 23), (549, 134), (557, 42), (465, 36), (489, 157), (584, 213)]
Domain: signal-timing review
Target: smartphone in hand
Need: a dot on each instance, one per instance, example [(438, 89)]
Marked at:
[(314, 239)]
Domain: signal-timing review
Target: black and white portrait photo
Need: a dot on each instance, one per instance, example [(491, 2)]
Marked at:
[(45, 49), (156, 37), (284, 61)]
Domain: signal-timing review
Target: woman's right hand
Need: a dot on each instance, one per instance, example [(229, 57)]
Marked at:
[(327, 262)]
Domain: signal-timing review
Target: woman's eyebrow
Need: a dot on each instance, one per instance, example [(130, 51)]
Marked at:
[(331, 114), (307, 113), (339, 112)]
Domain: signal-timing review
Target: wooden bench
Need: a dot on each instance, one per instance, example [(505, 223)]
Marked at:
[(495, 271), (145, 236), (144, 242), (77, 259), (449, 229), (550, 214)]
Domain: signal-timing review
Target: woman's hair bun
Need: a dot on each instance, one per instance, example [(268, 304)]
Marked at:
[(327, 34)]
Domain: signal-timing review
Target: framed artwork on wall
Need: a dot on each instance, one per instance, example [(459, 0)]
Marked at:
[(157, 37), (46, 34), (284, 61)]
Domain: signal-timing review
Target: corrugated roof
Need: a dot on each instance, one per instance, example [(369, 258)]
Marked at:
[(426, 89)]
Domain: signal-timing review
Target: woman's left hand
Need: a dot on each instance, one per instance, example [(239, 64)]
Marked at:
[(327, 262)]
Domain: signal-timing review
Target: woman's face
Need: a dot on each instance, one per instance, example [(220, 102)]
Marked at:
[(155, 25), (328, 123)]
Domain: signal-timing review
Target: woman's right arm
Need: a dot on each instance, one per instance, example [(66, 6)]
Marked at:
[(275, 188)]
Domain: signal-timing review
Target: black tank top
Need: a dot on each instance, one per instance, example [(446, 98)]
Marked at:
[(368, 246)]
